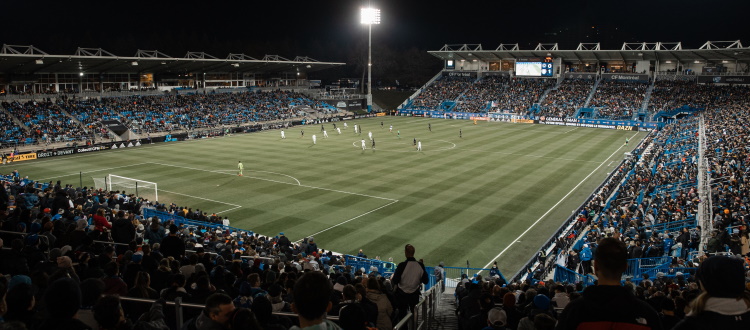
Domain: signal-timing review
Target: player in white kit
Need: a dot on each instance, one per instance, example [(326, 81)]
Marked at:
[(419, 145), (363, 144), (315, 139), (325, 134), (338, 130), (370, 135), (282, 134)]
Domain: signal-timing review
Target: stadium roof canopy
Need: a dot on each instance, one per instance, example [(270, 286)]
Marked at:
[(711, 51), (31, 60)]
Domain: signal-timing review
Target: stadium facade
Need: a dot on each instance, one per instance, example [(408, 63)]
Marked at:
[(28, 69)]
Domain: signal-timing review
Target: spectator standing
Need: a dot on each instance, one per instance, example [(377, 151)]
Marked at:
[(172, 245), (407, 279)]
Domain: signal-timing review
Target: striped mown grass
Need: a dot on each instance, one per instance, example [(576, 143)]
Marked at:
[(501, 187)]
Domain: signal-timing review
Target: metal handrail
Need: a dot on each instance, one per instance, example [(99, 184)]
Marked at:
[(179, 305)]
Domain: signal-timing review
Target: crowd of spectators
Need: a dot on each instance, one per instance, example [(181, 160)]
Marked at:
[(444, 89), (480, 95), (59, 233), (683, 301), (617, 99), (670, 94), (567, 98), (11, 133), (79, 119), (522, 93), (46, 122)]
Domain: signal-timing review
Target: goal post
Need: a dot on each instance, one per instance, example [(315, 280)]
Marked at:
[(141, 188)]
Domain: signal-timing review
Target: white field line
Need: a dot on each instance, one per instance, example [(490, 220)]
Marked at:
[(553, 207), (282, 182), (234, 171), (570, 130), (99, 170), (205, 199), (357, 217)]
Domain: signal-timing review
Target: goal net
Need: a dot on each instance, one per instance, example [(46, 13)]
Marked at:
[(140, 188)]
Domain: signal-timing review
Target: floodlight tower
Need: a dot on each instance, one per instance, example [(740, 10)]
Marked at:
[(369, 16)]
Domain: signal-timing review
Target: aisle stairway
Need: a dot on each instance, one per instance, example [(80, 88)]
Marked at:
[(445, 316)]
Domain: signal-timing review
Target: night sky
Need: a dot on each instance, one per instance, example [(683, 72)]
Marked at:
[(329, 30)]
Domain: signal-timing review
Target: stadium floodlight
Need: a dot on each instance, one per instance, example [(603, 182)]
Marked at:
[(369, 16)]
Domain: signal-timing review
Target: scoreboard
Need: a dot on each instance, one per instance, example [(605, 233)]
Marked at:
[(535, 68)]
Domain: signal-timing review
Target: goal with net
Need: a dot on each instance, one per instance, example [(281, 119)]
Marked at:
[(140, 188)]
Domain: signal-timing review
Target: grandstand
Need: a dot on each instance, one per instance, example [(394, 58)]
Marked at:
[(666, 176)]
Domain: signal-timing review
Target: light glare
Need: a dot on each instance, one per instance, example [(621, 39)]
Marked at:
[(370, 16)]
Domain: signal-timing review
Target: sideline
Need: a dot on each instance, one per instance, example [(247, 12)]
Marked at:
[(554, 206)]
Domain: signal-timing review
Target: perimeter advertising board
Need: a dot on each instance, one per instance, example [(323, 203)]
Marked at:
[(724, 79)]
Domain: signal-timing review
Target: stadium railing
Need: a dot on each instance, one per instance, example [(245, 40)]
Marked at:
[(385, 268), (179, 309), (423, 315), (565, 275), (641, 265), (452, 275)]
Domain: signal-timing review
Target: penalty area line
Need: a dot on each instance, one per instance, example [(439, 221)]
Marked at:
[(352, 219), (205, 199), (276, 181)]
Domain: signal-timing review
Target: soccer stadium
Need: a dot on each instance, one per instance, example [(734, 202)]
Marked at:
[(518, 188)]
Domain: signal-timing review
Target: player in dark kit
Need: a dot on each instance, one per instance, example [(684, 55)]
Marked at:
[(429, 127)]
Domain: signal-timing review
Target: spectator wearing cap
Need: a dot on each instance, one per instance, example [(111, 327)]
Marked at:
[(133, 268), (284, 241), (608, 304), (496, 320), (311, 246), (723, 303), (62, 299), (540, 305)]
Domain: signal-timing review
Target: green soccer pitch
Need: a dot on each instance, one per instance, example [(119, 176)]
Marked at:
[(496, 193)]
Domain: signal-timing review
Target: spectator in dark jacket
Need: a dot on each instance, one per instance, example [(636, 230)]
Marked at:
[(122, 231), (172, 245)]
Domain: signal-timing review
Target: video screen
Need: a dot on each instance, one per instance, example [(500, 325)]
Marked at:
[(534, 69)]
